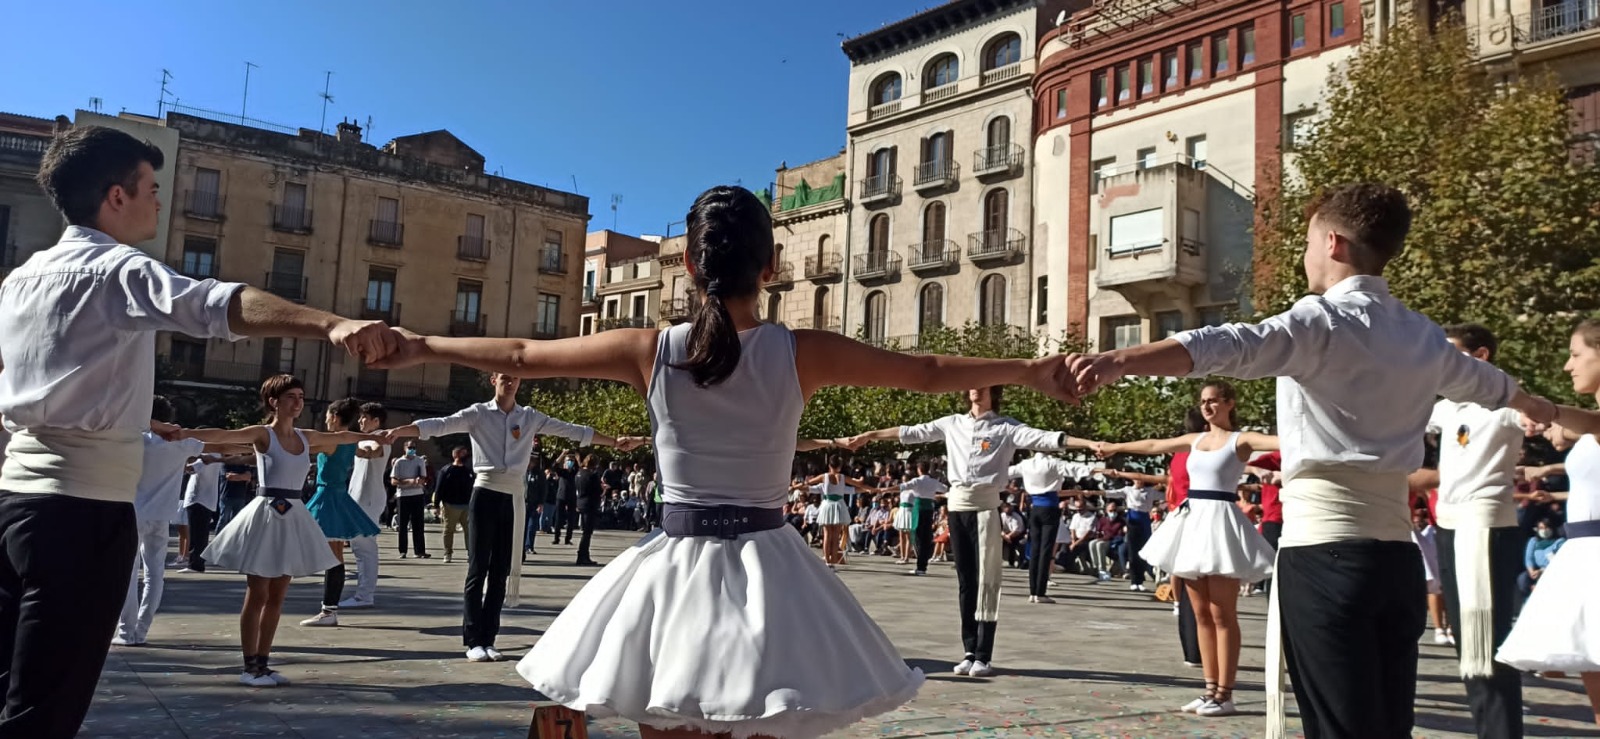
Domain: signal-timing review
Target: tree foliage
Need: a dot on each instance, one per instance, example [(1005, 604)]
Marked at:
[(1505, 224)]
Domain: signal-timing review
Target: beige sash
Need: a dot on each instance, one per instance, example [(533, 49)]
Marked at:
[(98, 465), (511, 483), (1470, 521)]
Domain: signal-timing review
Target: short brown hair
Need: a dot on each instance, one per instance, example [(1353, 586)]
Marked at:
[(82, 165), (1474, 336), (274, 387), (1373, 217)]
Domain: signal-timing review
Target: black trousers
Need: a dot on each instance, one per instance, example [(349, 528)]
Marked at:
[(589, 517), (1188, 633), (1138, 533), (1271, 531), (230, 507), (489, 523), (200, 520), (569, 518), (411, 507), (1044, 522), (923, 535), (977, 637), (1352, 614), (64, 568), (1496, 700)]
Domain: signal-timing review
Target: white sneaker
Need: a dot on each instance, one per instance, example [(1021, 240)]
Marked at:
[(1174, 609), (186, 570), (1195, 704), (493, 654), (1440, 637), (354, 603), (322, 619), (1045, 599), (276, 677), (1105, 576), (477, 654), (1192, 665), (1213, 708), (256, 681), (964, 666), (1138, 588), (981, 669), (121, 641)]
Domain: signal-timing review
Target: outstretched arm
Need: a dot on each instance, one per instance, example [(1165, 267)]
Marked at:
[(327, 441), (1138, 477), (255, 436), (824, 358), (624, 355), (1147, 447), (806, 445)]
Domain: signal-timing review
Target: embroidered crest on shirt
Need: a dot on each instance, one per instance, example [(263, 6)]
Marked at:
[(516, 431), (1463, 435), (281, 505), (985, 445)]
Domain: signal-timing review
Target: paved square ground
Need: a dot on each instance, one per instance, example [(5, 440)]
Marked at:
[(1103, 662)]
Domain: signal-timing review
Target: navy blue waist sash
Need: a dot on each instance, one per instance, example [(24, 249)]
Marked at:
[(266, 492), (1209, 495), (1582, 529), (723, 522)]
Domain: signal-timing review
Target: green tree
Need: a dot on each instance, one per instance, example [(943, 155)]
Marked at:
[(1506, 228)]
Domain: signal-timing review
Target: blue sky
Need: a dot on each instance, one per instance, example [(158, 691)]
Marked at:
[(655, 100)]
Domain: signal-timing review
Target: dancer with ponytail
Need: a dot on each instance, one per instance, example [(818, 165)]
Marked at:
[(1208, 543), (335, 511), (696, 629), (274, 540), (914, 518), (834, 517)]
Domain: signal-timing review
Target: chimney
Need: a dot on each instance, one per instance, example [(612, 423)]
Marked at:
[(348, 133)]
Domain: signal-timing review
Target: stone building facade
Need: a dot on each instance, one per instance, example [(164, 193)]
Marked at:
[(623, 276), (28, 221)]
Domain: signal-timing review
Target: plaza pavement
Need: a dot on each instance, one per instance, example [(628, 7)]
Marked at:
[(1103, 662)]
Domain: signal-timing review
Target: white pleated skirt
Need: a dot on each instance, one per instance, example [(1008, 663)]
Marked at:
[(1209, 538), (833, 513), (905, 519), (721, 635), (1559, 627), (261, 541)]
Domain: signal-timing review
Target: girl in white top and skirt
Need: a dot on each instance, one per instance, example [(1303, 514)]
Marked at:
[(834, 516), (710, 625), (273, 540), (1208, 542)]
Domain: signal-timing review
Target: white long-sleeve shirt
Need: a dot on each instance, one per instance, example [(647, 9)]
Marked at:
[(1043, 474), (205, 481), (979, 449), (160, 486), (501, 441), (1357, 373)]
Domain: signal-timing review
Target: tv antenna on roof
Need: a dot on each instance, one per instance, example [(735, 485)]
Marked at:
[(616, 200), (161, 102), (327, 82), (94, 104)]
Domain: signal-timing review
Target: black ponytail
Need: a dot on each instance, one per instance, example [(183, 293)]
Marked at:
[(730, 243)]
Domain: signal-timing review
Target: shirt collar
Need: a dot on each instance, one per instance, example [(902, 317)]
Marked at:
[(1359, 284), (987, 416), (90, 235)]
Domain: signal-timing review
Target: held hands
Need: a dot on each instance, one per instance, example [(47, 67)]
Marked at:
[(409, 350), (368, 341), (1104, 450), (167, 431), (630, 443), (1090, 372)]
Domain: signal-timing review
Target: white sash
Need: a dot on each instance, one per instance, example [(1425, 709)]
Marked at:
[(509, 482), (1470, 521)]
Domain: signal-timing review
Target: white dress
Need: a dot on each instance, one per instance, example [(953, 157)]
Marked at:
[(835, 509), (274, 536), (721, 635), (1427, 542), (1559, 627), (1205, 538), (905, 517)]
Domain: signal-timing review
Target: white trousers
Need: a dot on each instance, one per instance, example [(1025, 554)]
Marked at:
[(139, 610), (366, 551)]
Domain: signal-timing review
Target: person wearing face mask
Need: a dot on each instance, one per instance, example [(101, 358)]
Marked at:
[(1536, 557), (410, 477)]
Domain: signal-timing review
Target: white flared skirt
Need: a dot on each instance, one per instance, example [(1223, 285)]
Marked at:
[(262, 541), (1559, 627), (1209, 538), (721, 635), (833, 513)]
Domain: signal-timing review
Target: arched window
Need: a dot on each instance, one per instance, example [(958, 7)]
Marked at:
[(992, 300), (774, 305), (1000, 133), (930, 308), (886, 89), (933, 230), (942, 71), (878, 235), (996, 209), (819, 308), (876, 316), (937, 152), (1003, 52)]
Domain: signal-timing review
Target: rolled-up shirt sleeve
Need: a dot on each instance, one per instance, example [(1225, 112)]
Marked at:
[(459, 422), (548, 426), (155, 298), (1290, 344), (923, 433), (1465, 379)]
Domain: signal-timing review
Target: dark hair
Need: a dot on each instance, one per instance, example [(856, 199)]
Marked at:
[(459, 449), (347, 411), (83, 164), (274, 387), (1225, 389), (1474, 336), (589, 462), (1589, 329), (160, 409), (835, 462), (376, 410), (730, 243), (1194, 421), (1374, 218)]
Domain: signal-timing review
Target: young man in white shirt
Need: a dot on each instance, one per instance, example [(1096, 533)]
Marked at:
[(366, 486), (927, 491), (1480, 544), (1358, 374), (409, 475), (979, 446), (201, 496), (77, 372), (154, 503), (1043, 478), (502, 435)]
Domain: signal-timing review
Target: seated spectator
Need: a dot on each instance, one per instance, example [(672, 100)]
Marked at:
[(860, 536), (812, 531), (1536, 557), (1013, 532), (1074, 556), (795, 515), (941, 536), (1106, 548), (880, 523)]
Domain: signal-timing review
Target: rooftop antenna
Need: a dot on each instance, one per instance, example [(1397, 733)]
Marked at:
[(94, 104), (327, 82), (616, 200), (161, 102), (246, 102), (369, 128)]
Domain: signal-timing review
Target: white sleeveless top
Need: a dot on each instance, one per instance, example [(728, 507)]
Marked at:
[(1583, 470), (1218, 470), (280, 469), (828, 487), (731, 443)]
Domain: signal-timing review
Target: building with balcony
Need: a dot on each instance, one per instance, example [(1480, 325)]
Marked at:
[(28, 221), (621, 282), (1159, 124), (810, 230), (941, 182), (1559, 36), (414, 232)]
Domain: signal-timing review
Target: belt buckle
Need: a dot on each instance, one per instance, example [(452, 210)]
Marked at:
[(727, 522)]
